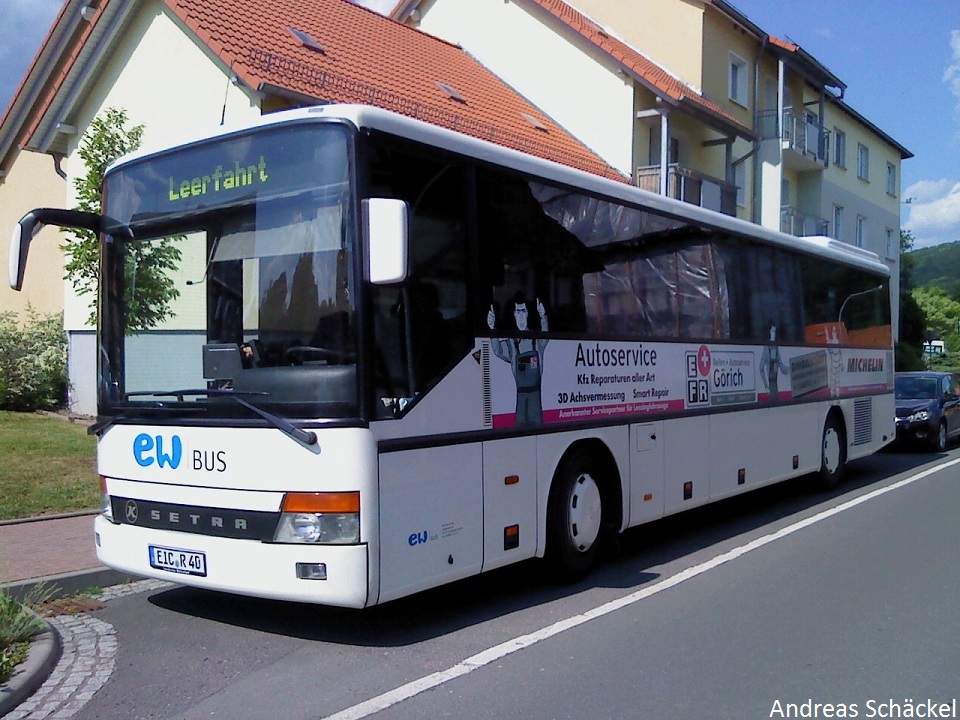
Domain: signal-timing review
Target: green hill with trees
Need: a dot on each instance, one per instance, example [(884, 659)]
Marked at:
[(938, 267)]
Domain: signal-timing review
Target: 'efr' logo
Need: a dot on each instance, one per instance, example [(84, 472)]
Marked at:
[(146, 449)]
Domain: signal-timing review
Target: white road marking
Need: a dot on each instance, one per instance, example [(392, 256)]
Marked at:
[(428, 682)]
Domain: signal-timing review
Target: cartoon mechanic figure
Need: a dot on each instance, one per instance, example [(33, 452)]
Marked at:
[(771, 365), (525, 356)]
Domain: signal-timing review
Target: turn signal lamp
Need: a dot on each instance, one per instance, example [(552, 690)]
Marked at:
[(319, 518), (106, 508)]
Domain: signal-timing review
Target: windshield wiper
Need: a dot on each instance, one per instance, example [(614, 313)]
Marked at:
[(181, 394), (304, 437)]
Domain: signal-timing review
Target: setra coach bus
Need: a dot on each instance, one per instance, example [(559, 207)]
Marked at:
[(402, 356)]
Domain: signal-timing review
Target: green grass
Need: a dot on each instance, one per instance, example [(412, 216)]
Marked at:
[(10, 657), (48, 466)]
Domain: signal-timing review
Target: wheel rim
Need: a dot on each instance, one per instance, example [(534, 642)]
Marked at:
[(831, 450), (942, 437), (584, 513)]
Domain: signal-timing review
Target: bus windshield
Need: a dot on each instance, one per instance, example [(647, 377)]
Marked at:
[(228, 279)]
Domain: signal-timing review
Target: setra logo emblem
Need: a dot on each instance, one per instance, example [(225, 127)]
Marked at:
[(131, 512), (147, 449)]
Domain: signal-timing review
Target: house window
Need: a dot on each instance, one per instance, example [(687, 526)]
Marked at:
[(739, 78), (861, 230), (837, 222), (840, 148), (863, 162), (891, 179)]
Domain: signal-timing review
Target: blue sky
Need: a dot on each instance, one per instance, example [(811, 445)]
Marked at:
[(900, 60)]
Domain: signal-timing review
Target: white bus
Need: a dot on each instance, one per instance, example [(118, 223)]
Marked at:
[(402, 356)]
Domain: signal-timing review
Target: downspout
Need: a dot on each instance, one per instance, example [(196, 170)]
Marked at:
[(57, 159)]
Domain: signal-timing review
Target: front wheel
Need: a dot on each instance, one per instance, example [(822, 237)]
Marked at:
[(833, 454), (574, 518)]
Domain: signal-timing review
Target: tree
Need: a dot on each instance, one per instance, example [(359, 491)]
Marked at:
[(150, 290), (913, 323)]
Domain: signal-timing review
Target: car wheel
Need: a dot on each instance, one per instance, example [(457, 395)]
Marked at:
[(940, 441)]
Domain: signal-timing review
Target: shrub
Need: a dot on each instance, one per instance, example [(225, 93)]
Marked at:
[(18, 624), (33, 362)]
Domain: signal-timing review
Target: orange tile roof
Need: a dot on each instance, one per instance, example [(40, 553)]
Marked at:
[(660, 81), (368, 58)]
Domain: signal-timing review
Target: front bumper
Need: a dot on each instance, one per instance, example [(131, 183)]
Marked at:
[(244, 567), (920, 431)]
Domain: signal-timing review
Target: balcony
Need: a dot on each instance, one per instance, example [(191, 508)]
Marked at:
[(691, 186), (806, 142), (796, 222)]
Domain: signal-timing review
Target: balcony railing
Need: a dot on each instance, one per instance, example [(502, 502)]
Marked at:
[(796, 222), (800, 132), (691, 186)]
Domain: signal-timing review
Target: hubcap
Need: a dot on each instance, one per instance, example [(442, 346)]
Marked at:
[(585, 513), (831, 450)]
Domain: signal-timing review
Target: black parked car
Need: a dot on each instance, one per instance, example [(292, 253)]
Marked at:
[(928, 408)]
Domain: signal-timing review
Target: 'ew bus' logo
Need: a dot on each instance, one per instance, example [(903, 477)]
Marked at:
[(146, 449)]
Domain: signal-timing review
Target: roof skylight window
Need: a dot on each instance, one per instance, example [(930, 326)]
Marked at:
[(306, 39), (534, 122), (451, 93)]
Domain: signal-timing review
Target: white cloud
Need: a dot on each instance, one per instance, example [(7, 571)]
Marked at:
[(934, 212), (951, 75)]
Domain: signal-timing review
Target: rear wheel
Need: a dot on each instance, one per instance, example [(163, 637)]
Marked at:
[(833, 454), (574, 518)]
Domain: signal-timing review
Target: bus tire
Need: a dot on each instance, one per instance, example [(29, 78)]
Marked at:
[(833, 454), (575, 518)]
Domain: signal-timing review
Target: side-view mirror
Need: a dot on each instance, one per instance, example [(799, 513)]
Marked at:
[(30, 224), (385, 233)]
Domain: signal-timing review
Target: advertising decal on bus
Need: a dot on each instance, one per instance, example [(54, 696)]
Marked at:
[(565, 380)]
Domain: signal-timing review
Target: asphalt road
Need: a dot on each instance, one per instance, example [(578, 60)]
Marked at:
[(751, 608)]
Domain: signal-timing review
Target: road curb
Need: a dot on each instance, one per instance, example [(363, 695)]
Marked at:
[(64, 584), (45, 650)]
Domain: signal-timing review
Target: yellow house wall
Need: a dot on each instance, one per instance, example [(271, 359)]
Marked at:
[(721, 36), (669, 32), (31, 183)]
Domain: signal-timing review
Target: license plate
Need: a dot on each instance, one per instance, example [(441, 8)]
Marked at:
[(185, 562)]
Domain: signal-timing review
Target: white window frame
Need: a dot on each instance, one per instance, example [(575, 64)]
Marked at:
[(839, 148), (891, 179), (861, 230), (738, 75), (863, 162), (837, 222)]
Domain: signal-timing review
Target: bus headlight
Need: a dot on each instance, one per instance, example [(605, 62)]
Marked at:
[(323, 518), (325, 528)]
